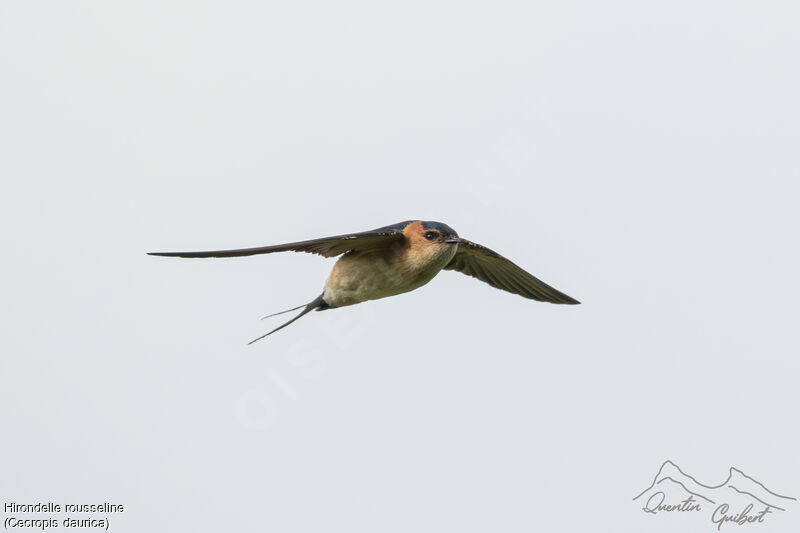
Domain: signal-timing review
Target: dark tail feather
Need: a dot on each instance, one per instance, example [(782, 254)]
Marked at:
[(287, 311), (317, 303)]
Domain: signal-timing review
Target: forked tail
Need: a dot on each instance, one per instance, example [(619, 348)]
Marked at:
[(317, 303)]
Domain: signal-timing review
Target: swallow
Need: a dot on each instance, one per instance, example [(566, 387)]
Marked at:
[(395, 259)]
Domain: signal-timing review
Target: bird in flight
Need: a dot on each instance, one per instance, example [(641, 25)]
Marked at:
[(395, 259)]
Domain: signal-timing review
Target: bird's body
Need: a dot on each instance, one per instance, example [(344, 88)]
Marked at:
[(358, 277), (399, 258)]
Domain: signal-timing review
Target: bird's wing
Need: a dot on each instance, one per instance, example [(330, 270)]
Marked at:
[(490, 267), (326, 247)]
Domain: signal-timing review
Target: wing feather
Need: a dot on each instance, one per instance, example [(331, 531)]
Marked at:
[(490, 267), (326, 246)]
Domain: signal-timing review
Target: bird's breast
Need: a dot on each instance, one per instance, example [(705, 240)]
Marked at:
[(358, 277)]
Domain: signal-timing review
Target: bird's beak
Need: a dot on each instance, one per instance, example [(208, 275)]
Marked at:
[(454, 240)]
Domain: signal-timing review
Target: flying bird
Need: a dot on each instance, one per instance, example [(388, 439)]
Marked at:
[(395, 259)]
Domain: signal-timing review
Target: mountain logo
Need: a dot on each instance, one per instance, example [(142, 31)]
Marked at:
[(739, 500)]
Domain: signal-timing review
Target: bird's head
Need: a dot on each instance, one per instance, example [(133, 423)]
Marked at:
[(431, 239)]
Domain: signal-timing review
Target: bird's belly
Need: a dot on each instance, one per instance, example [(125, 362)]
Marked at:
[(356, 279)]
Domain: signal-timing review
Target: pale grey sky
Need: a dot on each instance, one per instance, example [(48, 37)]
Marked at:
[(641, 157)]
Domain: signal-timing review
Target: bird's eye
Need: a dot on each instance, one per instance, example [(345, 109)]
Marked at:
[(431, 235)]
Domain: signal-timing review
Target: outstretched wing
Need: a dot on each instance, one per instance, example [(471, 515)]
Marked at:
[(490, 267), (326, 247)]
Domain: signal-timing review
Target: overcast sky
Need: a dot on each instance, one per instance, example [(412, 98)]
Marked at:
[(641, 157)]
